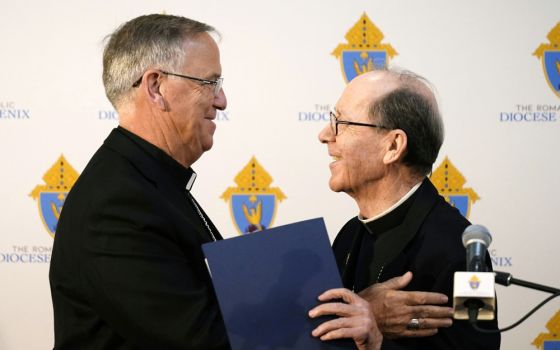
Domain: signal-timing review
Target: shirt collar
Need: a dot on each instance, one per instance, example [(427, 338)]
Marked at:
[(183, 177), (393, 207)]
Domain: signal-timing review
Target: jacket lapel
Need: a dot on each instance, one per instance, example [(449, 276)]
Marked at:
[(148, 166), (389, 245)]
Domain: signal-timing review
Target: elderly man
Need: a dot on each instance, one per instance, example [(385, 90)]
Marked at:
[(384, 136), (127, 268)]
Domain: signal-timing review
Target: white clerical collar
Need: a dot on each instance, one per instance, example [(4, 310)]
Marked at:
[(190, 183), (393, 207)]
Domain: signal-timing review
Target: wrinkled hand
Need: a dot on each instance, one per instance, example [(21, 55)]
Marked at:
[(355, 319), (393, 308)]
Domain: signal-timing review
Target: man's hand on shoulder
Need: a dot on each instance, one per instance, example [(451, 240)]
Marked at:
[(395, 309)]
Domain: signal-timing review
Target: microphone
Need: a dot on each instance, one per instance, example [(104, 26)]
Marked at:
[(473, 290), (476, 239)]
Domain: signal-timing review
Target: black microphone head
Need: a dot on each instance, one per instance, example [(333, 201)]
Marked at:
[(476, 233)]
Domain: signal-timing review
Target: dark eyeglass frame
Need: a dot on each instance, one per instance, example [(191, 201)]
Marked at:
[(217, 83), (334, 123)]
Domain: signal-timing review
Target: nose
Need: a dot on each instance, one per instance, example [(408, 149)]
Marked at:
[(326, 134), (220, 101)]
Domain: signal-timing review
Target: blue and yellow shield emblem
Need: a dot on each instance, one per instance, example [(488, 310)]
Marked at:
[(253, 202), (50, 205), (551, 345), (549, 54), (364, 51), (450, 185), (474, 282), (551, 339), (50, 197)]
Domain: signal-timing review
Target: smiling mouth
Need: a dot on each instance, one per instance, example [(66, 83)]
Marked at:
[(336, 158)]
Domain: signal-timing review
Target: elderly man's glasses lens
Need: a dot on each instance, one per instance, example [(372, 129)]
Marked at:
[(217, 83), (335, 122)]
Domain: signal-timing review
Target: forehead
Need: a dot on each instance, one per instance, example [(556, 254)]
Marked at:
[(364, 90), (202, 54)]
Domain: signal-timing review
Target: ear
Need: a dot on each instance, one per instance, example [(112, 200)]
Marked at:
[(153, 89), (397, 142)]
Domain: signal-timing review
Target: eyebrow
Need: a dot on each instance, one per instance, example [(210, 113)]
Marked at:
[(215, 76), (338, 113)]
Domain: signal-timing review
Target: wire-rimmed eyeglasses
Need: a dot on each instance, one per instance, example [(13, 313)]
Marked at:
[(334, 123), (217, 83)]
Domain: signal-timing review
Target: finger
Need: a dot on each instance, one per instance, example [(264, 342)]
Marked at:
[(327, 326), (434, 323), (396, 282), (399, 323), (416, 334), (431, 311), (423, 298), (355, 324), (339, 309), (358, 335), (339, 293)]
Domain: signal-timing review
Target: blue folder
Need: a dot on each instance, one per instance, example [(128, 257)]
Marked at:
[(266, 282)]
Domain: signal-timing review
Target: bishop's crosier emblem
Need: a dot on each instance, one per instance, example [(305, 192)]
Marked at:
[(549, 54), (450, 185), (50, 197), (364, 51), (253, 203)]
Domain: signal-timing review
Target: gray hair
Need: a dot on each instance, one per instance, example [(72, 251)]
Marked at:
[(151, 41), (412, 107)]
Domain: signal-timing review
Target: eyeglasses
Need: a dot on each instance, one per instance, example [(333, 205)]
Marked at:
[(217, 83), (334, 123)]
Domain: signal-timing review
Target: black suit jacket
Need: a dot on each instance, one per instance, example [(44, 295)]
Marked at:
[(425, 238), (127, 270)]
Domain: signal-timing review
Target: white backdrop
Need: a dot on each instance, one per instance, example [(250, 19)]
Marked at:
[(277, 64)]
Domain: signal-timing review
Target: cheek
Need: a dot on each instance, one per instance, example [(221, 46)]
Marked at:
[(187, 128), (359, 163)]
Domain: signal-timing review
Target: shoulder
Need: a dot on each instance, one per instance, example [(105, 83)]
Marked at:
[(442, 217), (345, 236), (445, 220), (439, 237), (348, 230), (108, 171), (111, 186)]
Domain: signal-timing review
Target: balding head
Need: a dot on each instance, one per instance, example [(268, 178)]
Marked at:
[(403, 100)]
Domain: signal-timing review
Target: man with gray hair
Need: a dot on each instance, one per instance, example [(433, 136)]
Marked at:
[(402, 249), (127, 268)]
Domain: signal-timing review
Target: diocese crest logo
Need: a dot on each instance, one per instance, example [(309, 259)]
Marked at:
[(50, 197), (363, 51), (474, 282), (450, 185), (549, 54), (550, 340), (253, 202)]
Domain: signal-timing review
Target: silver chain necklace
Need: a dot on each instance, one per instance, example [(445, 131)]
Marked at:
[(202, 217)]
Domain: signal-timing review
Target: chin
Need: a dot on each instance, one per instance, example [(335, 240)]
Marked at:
[(335, 186), (207, 144)]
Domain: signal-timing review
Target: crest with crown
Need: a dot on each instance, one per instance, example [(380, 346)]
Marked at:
[(253, 202), (549, 55), (363, 51), (550, 340), (50, 197), (450, 185)]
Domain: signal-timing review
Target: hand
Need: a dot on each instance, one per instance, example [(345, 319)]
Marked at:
[(393, 308), (355, 319)]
